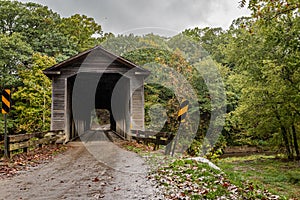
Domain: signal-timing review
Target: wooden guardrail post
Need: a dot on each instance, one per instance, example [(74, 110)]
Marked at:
[(24, 141), (160, 138)]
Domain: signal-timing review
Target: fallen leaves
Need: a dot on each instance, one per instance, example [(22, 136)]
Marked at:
[(24, 161), (96, 179), (187, 179), (7, 171)]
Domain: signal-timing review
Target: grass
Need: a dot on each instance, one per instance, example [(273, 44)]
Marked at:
[(188, 179), (276, 175), (133, 148), (248, 177)]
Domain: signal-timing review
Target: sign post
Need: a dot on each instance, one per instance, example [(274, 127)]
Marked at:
[(184, 106), (5, 110)]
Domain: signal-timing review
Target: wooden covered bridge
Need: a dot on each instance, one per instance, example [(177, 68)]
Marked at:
[(88, 81)]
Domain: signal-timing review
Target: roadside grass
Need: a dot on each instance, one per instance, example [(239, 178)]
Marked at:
[(181, 178), (133, 148), (189, 179), (269, 172), (248, 177)]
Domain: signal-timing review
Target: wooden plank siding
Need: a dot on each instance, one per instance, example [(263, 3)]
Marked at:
[(58, 104), (137, 103), (95, 62)]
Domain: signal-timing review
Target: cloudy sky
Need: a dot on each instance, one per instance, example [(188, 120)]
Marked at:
[(166, 17)]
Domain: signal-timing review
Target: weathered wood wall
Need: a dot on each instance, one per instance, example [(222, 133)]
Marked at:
[(97, 62)]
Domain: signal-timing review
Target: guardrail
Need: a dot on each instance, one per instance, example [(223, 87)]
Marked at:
[(157, 138), (27, 141), (245, 150)]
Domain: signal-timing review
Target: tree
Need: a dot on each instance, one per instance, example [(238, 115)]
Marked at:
[(32, 99), (260, 54), (270, 10), (83, 31), (46, 32), (177, 64), (14, 53), (28, 29), (37, 25), (11, 15), (211, 40), (265, 54)]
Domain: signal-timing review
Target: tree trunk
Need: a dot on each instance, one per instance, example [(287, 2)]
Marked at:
[(291, 144), (286, 142), (284, 136), (295, 142)]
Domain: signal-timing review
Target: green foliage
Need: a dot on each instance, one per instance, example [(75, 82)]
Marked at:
[(133, 149), (155, 97), (124, 45), (33, 99), (267, 78), (30, 34), (14, 52), (261, 78), (211, 39), (270, 10), (176, 64), (10, 125), (82, 31), (198, 147), (38, 26), (46, 32)]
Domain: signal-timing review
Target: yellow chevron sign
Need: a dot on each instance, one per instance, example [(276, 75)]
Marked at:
[(184, 106), (6, 101)]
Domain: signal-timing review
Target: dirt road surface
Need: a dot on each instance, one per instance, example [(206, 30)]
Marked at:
[(92, 169)]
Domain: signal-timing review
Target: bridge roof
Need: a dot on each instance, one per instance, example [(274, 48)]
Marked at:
[(55, 70)]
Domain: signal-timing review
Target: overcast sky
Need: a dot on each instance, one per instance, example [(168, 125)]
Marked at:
[(166, 17)]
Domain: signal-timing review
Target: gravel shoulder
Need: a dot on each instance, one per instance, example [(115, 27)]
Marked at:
[(93, 169)]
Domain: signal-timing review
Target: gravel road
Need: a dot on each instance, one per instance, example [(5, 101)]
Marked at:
[(93, 169)]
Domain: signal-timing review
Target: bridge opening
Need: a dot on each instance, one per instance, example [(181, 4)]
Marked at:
[(85, 114), (100, 119)]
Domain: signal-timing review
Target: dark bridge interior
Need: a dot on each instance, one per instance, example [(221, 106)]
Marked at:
[(89, 91)]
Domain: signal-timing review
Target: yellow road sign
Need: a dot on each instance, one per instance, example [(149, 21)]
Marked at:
[(6, 101), (184, 106)]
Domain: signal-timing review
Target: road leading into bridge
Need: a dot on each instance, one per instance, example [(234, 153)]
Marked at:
[(93, 169)]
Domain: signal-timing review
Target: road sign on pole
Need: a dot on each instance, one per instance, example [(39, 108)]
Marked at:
[(6, 104), (184, 106), (5, 101)]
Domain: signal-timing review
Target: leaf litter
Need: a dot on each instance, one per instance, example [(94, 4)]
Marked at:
[(189, 179), (25, 161)]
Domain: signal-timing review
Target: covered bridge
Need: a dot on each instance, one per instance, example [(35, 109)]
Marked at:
[(96, 79)]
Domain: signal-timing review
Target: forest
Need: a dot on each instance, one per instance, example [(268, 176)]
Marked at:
[(257, 58)]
